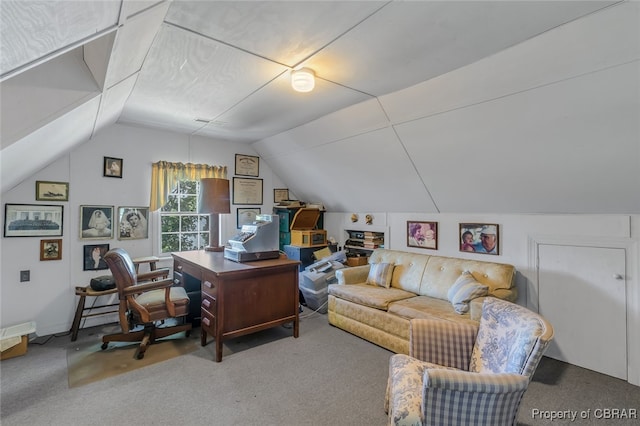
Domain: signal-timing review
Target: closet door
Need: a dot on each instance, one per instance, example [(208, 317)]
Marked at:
[(582, 293)]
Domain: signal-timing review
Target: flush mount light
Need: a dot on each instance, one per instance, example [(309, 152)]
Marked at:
[(303, 80)]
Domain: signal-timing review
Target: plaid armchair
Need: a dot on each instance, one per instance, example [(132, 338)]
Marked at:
[(462, 374)]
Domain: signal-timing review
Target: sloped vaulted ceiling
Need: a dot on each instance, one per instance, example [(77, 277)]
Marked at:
[(220, 69)]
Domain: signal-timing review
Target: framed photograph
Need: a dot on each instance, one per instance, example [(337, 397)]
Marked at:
[(93, 257), (52, 191), (247, 191), (96, 222), (51, 249), (280, 194), (32, 220), (246, 216), (112, 167), (247, 165), (479, 238), (422, 234), (132, 223)]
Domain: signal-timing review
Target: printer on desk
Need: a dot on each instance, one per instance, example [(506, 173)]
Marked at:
[(256, 241)]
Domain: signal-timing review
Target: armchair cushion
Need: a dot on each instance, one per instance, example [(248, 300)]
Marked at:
[(422, 393), (380, 274), (464, 290)]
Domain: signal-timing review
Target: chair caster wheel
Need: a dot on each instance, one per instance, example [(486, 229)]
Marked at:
[(187, 333), (104, 346), (139, 356)]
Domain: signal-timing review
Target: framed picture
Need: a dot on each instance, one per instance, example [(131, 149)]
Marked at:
[(479, 238), (32, 220), (51, 249), (280, 194), (96, 222), (132, 223), (112, 167), (246, 216), (247, 191), (93, 257), (247, 165), (52, 191), (422, 234)]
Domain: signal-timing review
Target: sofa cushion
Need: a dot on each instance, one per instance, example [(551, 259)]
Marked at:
[(368, 295), (380, 274), (426, 307), (408, 268), (464, 290)]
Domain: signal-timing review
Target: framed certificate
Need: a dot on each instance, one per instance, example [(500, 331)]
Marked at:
[(247, 165), (280, 194), (247, 191)]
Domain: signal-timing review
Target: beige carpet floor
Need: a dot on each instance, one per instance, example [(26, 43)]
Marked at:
[(88, 363)]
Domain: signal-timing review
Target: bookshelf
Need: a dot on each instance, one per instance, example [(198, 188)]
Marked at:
[(363, 241)]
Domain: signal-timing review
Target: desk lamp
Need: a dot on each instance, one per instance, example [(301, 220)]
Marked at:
[(213, 200)]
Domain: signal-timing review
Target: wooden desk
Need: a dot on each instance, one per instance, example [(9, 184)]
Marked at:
[(241, 298)]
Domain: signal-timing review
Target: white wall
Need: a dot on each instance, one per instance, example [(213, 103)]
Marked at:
[(48, 299)]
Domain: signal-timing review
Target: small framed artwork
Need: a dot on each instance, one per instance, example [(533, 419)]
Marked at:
[(422, 234), (33, 220), (479, 238), (247, 165), (51, 249), (112, 167), (132, 223), (52, 191), (247, 191), (94, 257), (246, 216), (96, 222), (280, 194)]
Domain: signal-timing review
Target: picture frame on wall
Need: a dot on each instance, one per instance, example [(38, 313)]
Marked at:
[(247, 191), (33, 220), (51, 249), (421, 234), (96, 222), (52, 191), (280, 194), (132, 223), (481, 238), (112, 167), (247, 165), (93, 257), (246, 216)]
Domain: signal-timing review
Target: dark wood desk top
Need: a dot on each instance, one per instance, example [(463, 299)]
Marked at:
[(216, 263)]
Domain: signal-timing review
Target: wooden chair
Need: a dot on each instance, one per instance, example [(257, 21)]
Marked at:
[(146, 301)]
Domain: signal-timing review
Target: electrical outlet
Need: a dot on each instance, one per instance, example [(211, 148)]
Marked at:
[(25, 276)]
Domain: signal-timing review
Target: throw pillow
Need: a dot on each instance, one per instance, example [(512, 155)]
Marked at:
[(464, 290), (380, 274)]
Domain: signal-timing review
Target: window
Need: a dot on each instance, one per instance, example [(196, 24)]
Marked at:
[(181, 227)]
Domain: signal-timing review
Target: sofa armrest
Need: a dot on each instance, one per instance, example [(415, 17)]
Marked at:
[(354, 275), (445, 343)]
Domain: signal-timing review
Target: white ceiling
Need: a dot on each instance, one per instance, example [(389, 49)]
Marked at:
[(221, 69)]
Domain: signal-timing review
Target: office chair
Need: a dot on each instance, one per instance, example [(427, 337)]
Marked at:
[(145, 305)]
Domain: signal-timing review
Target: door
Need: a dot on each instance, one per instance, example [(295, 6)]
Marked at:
[(581, 291)]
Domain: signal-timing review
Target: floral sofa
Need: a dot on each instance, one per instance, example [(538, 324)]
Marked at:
[(376, 301)]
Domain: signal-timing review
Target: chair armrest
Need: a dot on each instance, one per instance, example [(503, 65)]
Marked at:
[(471, 398), (444, 343), (153, 285), (353, 275), (153, 275)]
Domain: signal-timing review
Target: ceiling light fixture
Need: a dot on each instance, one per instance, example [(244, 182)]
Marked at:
[(303, 80)]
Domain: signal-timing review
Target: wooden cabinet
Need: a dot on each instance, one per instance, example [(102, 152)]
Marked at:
[(285, 215)]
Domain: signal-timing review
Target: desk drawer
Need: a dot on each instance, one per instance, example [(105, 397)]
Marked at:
[(208, 322), (209, 287), (209, 303)]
